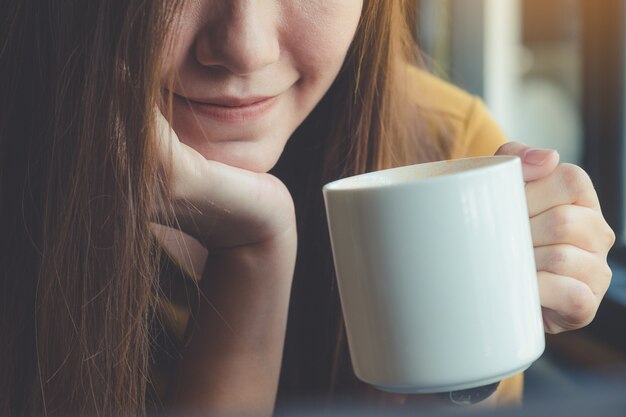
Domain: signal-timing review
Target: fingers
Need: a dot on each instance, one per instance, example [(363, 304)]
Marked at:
[(578, 226), (220, 205), (536, 163), (570, 261), (549, 183), (570, 236), (567, 303), (568, 184), (571, 244)]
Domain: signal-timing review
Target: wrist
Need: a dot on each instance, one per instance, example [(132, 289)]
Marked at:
[(273, 257)]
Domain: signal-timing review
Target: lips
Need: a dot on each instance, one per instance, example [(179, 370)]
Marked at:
[(229, 109), (231, 101)]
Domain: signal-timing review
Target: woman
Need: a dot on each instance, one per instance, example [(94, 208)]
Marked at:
[(312, 90)]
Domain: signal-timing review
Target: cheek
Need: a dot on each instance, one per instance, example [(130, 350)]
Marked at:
[(319, 34)]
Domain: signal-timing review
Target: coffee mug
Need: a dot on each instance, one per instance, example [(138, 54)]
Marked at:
[(436, 274)]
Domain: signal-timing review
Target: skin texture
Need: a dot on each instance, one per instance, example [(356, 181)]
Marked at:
[(228, 53), (225, 53), (570, 236), (291, 50)]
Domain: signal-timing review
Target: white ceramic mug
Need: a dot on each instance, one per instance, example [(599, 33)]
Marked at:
[(436, 274)]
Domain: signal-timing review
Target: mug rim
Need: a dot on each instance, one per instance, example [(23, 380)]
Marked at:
[(381, 179)]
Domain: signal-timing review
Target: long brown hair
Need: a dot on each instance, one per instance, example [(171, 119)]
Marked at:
[(79, 82)]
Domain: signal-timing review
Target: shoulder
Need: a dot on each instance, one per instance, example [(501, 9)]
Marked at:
[(433, 94), (451, 111)]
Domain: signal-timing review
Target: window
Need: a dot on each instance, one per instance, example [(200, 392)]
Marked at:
[(552, 73)]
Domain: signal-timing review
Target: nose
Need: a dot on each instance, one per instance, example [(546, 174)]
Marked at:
[(241, 36)]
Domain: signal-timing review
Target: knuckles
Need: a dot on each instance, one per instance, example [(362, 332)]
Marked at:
[(582, 306), (575, 181), (558, 259), (606, 275), (580, 301), (609, 236), (564, 223)]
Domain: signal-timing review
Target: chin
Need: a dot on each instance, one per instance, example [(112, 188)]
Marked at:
[(240, 155), (257, 166)]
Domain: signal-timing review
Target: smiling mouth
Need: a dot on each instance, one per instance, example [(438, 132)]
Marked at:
[(229, 109)]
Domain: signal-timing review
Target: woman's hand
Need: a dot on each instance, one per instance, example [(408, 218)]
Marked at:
[(220, 205), (246, 221), (570, 236)]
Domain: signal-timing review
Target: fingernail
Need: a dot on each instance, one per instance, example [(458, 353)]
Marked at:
[(535, 156)]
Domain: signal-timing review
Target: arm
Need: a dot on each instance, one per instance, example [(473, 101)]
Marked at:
[(232, 363), (247, 222)]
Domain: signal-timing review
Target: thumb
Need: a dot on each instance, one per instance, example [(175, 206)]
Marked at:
[(536, 163)]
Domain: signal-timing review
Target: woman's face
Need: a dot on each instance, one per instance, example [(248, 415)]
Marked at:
[(247, 73)]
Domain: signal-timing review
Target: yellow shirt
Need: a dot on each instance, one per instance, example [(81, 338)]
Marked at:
[(446, 109), (464, 116)]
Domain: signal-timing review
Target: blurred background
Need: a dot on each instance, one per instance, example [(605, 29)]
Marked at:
[(552, 73)]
